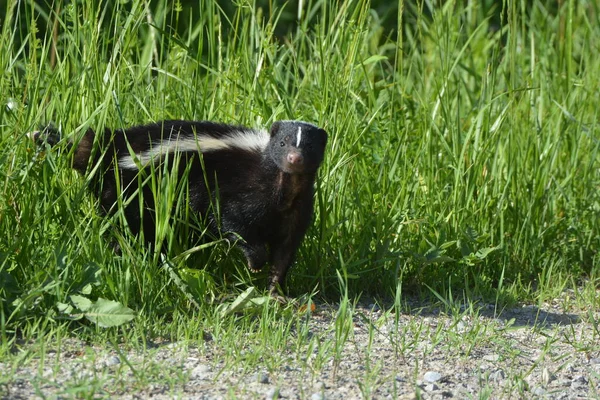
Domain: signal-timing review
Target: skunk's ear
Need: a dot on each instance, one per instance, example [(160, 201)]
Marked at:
[(275, 128)]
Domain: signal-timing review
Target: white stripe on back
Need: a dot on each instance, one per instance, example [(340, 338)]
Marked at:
[(250, 140)]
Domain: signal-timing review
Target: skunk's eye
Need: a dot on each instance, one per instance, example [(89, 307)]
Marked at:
[(282, 144)]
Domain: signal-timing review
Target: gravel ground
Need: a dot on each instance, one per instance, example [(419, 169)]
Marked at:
[(527, 352)]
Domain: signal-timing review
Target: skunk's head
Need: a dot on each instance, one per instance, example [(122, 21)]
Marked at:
[(297, 147)]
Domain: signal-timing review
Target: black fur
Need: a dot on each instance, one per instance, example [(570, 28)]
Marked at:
[(265, 197)]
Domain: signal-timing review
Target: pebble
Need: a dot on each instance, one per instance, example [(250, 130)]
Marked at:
[(262, 377), (317, 396), (541, 340), (272, 393), (538, 391), (595, 360), (431, 387), (200, 371), (432, 376), (547, 377), (113, 360), (491, 357), (564, 383), (569, 368), (497, 376)]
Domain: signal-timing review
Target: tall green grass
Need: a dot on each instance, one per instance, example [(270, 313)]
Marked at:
[(461, 154)]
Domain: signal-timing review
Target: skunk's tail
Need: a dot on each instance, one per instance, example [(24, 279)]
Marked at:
[(83, 150), (48, 135)]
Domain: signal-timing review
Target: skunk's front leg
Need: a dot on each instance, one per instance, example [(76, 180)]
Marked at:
[(256, 255), (282, 258)]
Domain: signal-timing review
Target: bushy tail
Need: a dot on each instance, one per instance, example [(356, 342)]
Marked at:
[(51, 136), (48, 135)]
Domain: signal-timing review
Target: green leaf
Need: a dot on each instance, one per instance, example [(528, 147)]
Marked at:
[(465, 249), (373, 59), (471, 233), (90, 277), (107, 313), (260, 301), (64, 308), (87, 289), (240, 302), (483, 253), (436, 255), (82, 303)]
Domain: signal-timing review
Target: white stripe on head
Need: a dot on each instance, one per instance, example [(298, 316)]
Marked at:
[(251, 140), (299, 136)]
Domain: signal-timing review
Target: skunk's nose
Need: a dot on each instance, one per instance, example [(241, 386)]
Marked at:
[(294, 158)]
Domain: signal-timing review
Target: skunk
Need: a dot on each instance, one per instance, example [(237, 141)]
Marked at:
[(264, 181)]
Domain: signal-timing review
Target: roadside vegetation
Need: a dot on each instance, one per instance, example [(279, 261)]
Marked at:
[(462, 168)]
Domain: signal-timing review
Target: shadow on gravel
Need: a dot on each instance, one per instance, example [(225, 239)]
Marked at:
[(524, 316), (529, 315)]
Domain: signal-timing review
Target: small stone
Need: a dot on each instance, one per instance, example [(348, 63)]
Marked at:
[(113, 360), (569, 368), (564, 383), (432, 376), (272, 393), (200, 371), (317, 396), (541, 340), (262, 378), (547, 377), (595, 360), (431, 387), (400, 379), (319, 386), (538, 391), (461, 327), (491, 357), (497, 376)]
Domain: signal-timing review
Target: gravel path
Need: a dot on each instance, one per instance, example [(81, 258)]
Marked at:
[(528, 352)]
